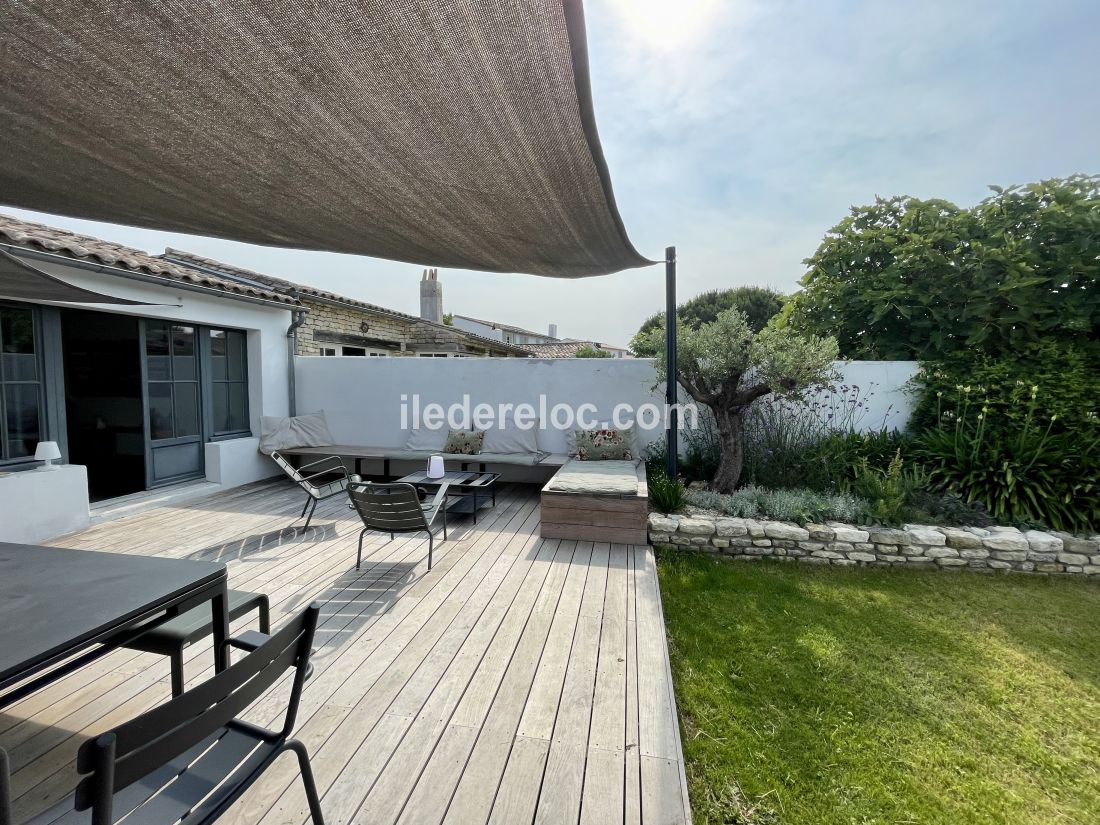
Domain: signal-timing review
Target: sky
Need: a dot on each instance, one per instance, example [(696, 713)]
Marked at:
[(741, 131)]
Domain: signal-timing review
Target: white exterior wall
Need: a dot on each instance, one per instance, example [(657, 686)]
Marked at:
[(362, 397), (231, 462), (881, 386), (36, 505), (484, 330)]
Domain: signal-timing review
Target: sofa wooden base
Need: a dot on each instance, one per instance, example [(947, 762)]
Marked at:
[(621, 519)]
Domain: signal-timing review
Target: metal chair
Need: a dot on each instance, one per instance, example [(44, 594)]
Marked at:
[(396, 508), (188, 760), (172, 637), (5, 789), (316, 489)]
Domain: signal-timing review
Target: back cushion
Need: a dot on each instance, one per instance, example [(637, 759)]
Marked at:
[(509, 438), (604, 445), (300, 431), (464, 442), (431, 441)]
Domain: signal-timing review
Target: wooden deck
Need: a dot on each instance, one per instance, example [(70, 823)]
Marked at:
[(522, 680)]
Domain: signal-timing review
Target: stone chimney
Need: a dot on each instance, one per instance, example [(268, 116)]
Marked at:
[(553, 331), (431, 296)]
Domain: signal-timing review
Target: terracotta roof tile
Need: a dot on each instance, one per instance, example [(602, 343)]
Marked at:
[(42, 238), (559, 349)]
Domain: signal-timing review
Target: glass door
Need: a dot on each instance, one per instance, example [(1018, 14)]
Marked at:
[(173, 423)]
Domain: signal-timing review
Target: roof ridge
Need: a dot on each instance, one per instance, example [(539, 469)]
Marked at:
[(67, 243)]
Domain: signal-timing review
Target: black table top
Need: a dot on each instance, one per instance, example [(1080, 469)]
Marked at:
[(52, 599), (457, 479)]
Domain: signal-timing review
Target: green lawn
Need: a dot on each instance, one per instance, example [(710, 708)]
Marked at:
[(810, 695)]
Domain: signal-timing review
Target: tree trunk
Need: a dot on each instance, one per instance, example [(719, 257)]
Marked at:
[(731, 436)]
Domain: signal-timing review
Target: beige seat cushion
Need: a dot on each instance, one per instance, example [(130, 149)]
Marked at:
[(596, 478)]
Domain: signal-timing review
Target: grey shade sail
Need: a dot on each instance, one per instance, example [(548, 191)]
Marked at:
[(21, 281), (453, 133)]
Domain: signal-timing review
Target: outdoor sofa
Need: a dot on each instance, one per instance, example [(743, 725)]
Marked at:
[(597, 501), (308, 436)]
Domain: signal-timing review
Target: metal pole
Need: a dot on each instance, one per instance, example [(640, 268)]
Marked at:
[(672, 441)]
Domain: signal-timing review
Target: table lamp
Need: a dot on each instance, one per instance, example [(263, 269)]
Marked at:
[(47, 451), (435, 467)]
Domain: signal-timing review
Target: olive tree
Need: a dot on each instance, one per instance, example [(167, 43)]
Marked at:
[(725, 366)]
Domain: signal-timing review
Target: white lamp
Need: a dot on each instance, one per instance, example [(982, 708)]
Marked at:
[(435, 467), (47, 451)]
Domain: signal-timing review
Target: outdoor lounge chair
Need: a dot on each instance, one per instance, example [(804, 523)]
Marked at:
[(396, 508), (311, 477), (190, 759)]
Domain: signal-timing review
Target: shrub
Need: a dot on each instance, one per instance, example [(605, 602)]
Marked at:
[(665, 494), (816, 443), (802, 506), (908, 278), (1023, 472), (889, 493), (1065, 378)]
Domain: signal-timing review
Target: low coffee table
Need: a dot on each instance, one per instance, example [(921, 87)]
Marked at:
[(473, 490)]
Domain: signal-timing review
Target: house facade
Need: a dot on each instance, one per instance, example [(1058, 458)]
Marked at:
[(335, 325), (160, 375), (505, 332)]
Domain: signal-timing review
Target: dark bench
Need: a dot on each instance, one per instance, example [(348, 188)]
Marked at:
[(172, 637), (478, 461)]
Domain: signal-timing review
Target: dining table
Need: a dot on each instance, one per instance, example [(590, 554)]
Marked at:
[(60, 609)]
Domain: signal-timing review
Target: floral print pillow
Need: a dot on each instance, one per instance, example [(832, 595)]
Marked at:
[(603, 445), (464, 442)]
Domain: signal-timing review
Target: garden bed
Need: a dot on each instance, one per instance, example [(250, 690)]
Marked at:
[(847, 545), (816, 695)]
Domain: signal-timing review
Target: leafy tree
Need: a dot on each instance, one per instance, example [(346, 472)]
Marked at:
[(448, 319), (757, 303), (906, 278), (588, 351), (726, 366)]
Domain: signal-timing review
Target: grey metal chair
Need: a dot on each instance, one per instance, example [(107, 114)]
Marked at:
[(396, 508), (188, 760), (172, 637), (5, 789), (311, 478)]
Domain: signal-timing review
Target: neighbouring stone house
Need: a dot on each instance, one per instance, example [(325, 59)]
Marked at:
[(335, 325)]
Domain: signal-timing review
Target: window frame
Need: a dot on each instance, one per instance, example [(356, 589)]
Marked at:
[(207, 364), (41, 379)]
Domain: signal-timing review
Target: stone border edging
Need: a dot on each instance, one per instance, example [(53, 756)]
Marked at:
[(995, 548)]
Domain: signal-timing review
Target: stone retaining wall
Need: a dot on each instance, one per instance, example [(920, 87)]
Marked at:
[(995, 548)]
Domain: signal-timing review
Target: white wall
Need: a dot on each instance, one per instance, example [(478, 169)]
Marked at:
[(879, 386), (238, 461), (362, 397), (36, 505), (266, 326)]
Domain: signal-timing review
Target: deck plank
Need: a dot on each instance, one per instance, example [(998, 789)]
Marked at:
[(521, 680)]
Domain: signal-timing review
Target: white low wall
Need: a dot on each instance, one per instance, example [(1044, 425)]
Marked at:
[(238, 461), (36, 505), (363, 397)]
